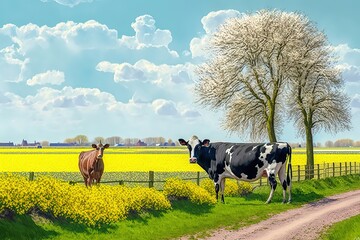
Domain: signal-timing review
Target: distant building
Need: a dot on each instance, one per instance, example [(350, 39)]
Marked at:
[(62, 144), (25, 143), (140, 143), (9, 144)]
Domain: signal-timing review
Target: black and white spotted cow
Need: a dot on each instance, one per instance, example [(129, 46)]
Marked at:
[(242, 161)]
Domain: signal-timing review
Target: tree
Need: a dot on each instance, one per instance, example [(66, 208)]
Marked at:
[(329, 144), (316, 98), (114, 140), (344, 143), (69, 140), (99, 139), (246, 73), (45, 143), (81, 139)]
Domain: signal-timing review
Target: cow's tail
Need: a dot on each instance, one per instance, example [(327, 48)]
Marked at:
[(289, 170)]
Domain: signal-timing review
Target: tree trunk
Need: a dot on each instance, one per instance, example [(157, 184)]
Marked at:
[(271, 123), (309, 153)]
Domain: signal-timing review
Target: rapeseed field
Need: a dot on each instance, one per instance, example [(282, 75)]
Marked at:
[(133, 159)]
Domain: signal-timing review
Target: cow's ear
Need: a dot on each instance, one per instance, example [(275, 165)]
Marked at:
[(94, 145), (106, 145), (182, 142)]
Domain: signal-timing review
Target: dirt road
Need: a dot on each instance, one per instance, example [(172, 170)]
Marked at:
[(305, 223)]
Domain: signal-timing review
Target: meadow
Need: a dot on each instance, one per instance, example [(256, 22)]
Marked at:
[(136, 159)]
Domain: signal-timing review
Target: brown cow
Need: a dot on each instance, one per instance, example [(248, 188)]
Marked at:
[(91, 164)]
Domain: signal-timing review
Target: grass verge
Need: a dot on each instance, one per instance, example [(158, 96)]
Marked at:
[(185, 218), (348, 229)]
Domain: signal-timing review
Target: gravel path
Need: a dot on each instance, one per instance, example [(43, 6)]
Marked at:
[(305, 223)]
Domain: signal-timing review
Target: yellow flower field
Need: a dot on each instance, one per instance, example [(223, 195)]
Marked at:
[(127, 159)]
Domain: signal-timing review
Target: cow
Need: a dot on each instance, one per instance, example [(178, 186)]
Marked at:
[(242, 161), (91, 164)]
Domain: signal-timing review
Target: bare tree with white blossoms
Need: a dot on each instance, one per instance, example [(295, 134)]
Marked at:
[(257, 65)]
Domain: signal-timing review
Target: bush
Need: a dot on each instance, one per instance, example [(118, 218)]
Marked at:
[(176, 188), (16, 194), (232, 187), (93, 206)]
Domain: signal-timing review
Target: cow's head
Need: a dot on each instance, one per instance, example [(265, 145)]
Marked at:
[(194, 145), (100, 149)]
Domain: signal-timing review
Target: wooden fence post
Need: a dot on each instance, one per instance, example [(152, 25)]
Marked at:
[(345, 168), (298, 173), (333, 169), (151, 179), (31, 176), (350, 168), (318, 171), (260, 182), (355, 168), (340, 169), (327, 170), (198, 178)]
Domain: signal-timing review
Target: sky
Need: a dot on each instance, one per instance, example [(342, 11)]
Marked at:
[(126, 68)]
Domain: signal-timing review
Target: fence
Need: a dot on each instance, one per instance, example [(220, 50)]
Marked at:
[(157, 179)]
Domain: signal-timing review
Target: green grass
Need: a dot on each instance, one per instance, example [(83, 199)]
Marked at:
[(348, 229), (184, 219)]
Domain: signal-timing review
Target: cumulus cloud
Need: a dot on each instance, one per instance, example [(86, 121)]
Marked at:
[(30, 49), (190, 114), (12, 64), (351, 73), (49, 77), (347, 54), (355, 103), (180, 77), (164, 107), (47, 99), (68, 3), (148, 35), (123, 72), (144, 71), (210, 23)]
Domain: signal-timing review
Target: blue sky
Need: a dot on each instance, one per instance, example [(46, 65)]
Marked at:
[(125, 68)]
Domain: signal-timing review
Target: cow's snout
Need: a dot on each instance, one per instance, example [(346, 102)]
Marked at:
[(193, 160), (100, 156)]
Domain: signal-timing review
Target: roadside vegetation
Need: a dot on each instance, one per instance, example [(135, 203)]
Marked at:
[(186, 217), (346, 229)]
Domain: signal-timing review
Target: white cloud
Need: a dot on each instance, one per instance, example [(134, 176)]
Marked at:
[(69, 3), (190, 114), (346, 53), (30, 49), (144, 71), (355, 103), (49, 99), (147, 35), (210, 23), (49, 77), (165, 107), (123, 72)]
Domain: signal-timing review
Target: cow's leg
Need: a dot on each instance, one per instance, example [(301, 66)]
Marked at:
[(222, 189), (282, 177), (273, 184), (89, 181), (217, 187)]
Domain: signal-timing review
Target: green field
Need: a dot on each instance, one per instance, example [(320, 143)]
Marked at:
[(185, 218)]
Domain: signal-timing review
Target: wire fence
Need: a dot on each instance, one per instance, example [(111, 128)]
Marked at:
[(157, 179)]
